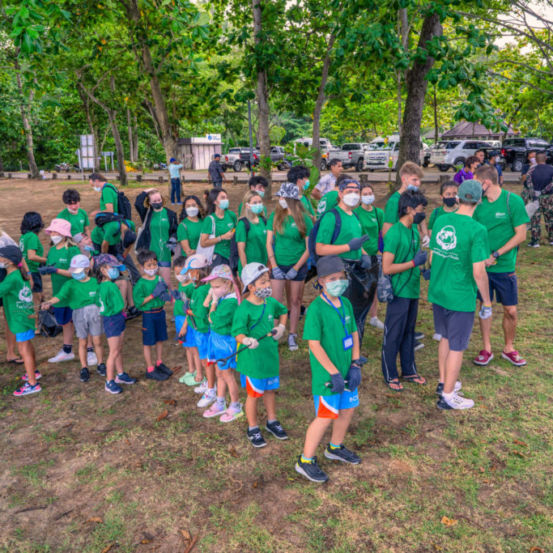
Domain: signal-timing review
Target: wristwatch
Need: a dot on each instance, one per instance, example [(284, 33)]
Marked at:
[(496, 254)]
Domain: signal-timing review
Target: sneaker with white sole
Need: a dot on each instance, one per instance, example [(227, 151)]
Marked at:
[(112, 387), (27, 389), (436, 336), (61, 356), (91, 359), (533, 244), (124, 378), (38, 376), (256, 438), (342, 454), (202, 387), (292, 344), (377, 323), (454, 402), (419, 335), (483, 358), (440, 387), (311, 470), (207, 399), (418, 345), (232, 413), (216, 410)]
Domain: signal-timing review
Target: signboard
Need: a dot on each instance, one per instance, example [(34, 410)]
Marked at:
[(86, 151)]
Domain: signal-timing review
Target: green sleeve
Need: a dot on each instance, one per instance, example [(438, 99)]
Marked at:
[(241, 233), (240, 320), (326, 228), (208, 226), (352, 326), (279, 309), (270, 222), (65, 292), (182, 233), (308, 224), (139, 294), (391, 242), (390, 211), (86, 219), (379, 218), (224, 312), (519, 216), (480, 247), (312, 329), (5, 286), (433, 216)]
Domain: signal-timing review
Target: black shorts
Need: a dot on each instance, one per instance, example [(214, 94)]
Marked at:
[(37, 283), (455, 326), (505, 286)]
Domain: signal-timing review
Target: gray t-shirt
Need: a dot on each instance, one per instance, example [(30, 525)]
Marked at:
[(215, 171)]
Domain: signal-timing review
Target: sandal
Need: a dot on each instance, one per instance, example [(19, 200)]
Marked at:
[(395, 385), (15, 361), (416, 379)]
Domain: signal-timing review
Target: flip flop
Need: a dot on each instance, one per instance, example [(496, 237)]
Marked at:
[(15, 361), (416, 379), (397, 383)]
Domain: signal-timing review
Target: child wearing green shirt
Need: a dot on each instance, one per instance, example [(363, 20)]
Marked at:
[(150, 295), (259, 322), (190, 226), (17, 299), (222, 301), (448, 193), (331, 331)]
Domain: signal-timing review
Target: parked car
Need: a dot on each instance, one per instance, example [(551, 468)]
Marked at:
[(452, 153), (515, 151), (280, 158), (325, 146), (64, 166), (351, 155), (238, 158), (381, 156)]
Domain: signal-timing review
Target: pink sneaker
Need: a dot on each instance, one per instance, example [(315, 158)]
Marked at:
[(514, 358), (483, 358), (38, 376), (231, 414), (215, 410)]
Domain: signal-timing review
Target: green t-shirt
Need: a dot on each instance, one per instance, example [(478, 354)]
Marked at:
[(307, 205), (79, 293), (110, 300), (222, 226), (190, 230), (322, 323), (179, 308), (197, 296), (328, 201), (404, 243), (289, 245), (221, 318), (18, 302), (391, 214), (255, 239), (457, 242), (61, 259), (142, 289), (110, 232), (30, 241), (437, 212), (78, 220), (159, 235), (350, 228), (371, 224), (500, 221), (257, 321), (108, 196)]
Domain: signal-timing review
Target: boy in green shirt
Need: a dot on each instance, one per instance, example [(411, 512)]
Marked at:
[(74, 214), (150, 295), (255, 327), (299, 175), (334, 357), (448, 193)]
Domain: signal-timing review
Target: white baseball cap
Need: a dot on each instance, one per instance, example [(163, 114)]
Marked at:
[(196, 261), (79, 263), (251, 272)]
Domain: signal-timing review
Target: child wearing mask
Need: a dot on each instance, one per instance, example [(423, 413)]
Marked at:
[(448, 193), (259, 322), (77, 217), (190, 226), (331, 332)]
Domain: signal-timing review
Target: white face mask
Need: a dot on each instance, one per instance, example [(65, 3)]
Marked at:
[(192, 211), (73, 210), (351, 199), (2, 265), (282, 203), (367, 200), (181, 278), (57, 239), (150, 272)]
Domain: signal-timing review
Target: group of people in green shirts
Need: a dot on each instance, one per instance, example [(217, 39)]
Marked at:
[(234, 271)]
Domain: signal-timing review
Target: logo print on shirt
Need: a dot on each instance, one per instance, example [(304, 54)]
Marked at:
[(25, 294), (446, 238)]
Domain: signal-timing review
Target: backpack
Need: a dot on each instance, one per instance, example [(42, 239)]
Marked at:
[(312, 241), (105, 217), (47, 324), (234, 257), (123, 204)]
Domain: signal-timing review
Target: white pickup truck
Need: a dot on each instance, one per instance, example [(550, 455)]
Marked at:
[(384, 155), (351, 154)]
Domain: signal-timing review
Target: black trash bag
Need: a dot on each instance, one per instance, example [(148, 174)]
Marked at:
[(47, 324)]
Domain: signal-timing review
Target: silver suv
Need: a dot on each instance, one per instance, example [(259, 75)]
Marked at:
[(454, 152)]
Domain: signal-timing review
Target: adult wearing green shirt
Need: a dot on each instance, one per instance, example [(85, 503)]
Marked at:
[(401, 260), (251, 232), (190, 226), (258, 184), (159, 230), (73, 213), (299, 175), (288, 251), (505, 218), (448, 193), (217, 228), (459, 249), (108, 204)]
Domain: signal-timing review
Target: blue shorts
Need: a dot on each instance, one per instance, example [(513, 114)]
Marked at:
[(329, 407), (219, 346), (505, 286), (189, 339), (63, 315), (154, 327), (37, 283), (202, 343), (300, 277), (25, 336), (164, 263), (455, 326), (256, 387), (114, 325)]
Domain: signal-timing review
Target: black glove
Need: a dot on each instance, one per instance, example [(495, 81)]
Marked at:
[(159, 288), (337, 383), (420, 258), (357, 243), (366, 261), (425, 274), (354, 376), (47, 270)]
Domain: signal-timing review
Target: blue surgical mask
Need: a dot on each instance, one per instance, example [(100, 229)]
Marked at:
[(97, 188), (306, 185), (412, 187), (79, 276), (113, 273), (261, 193), (223, 204), (88, 249), (256, 208), (337, 287)]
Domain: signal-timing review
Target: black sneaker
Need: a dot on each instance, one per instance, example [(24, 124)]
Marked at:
[(101, 368), (256, 438), (164, 369), (132, 313), (440, 389), (276, 430), (312, 471), (419, 335), (85, 375), (342, 454), (418, 345), (156, 375)]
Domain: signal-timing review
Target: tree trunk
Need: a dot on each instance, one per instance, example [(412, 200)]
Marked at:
[(319, 103), (131, 136), (120, 152), (33, 169), (409, 149), (403, 28), (262, 101), (135, 137), (168, 138), (436, 129)]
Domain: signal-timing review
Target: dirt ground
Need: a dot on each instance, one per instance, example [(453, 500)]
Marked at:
[(84, 471)]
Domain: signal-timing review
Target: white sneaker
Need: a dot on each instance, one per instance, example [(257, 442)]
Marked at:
[(61, 356), (207, 399), (436, 336), (91, 358), (202, 388), (455, 402), (377, 323)]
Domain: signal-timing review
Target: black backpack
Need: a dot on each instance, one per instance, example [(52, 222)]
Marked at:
[(47, 324), (234, 257), (123, 204)]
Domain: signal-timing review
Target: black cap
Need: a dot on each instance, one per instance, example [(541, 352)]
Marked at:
[(328, 265), (13, 253)]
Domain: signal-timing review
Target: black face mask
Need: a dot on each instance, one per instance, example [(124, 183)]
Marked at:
[(419, 218), (157, 205), (450, 202)]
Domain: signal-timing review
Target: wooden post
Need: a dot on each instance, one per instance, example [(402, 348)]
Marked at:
[(29, 176), (160, 179), (442, 179), (235, 181), (9, 175), (54, 176), (363, 178), (68, 176), (138, 178)]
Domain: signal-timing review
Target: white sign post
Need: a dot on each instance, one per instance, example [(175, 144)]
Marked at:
[(86, 155)]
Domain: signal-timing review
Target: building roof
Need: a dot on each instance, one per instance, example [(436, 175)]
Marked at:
[(465, 129)]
